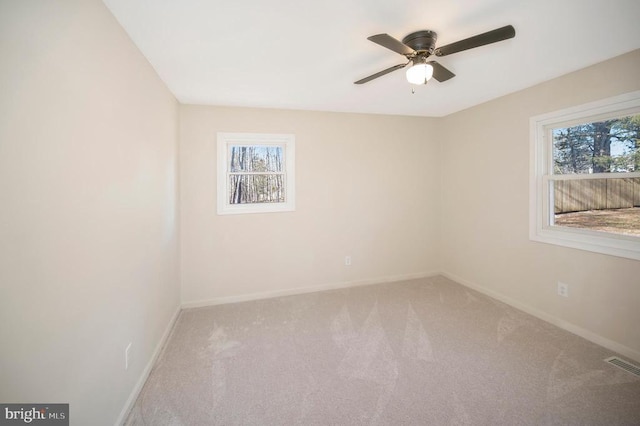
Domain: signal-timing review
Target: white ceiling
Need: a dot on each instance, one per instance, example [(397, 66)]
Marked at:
[(297, 54)]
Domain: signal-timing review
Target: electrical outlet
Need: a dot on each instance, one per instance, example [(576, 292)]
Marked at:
[(563, 289), (347, 260), (126, 356)]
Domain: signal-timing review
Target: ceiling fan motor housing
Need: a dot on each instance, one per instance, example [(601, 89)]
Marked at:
[(423, 42)]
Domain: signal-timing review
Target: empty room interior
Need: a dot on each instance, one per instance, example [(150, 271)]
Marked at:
[(320, 213)]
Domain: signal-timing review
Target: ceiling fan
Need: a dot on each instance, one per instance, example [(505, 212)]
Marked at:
[(418, 46)]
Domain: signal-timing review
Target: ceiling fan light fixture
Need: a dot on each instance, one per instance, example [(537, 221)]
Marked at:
[(418, 46), (420, 73)]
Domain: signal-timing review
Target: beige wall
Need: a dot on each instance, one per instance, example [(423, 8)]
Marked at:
[(88, 243), (367, 186), (485, 208)]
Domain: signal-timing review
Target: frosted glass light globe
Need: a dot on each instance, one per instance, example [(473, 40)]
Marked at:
[(419, 73)]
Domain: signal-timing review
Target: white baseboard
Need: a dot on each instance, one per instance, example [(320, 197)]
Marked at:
[(147, 370), (302, 290), (572, 328), (558, 322)]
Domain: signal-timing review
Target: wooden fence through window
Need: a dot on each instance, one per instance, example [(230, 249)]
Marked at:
[(596, 194)]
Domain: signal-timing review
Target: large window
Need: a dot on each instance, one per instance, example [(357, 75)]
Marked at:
[(255, 173), (585, 177)]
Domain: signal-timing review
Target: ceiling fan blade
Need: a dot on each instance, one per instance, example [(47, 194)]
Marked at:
[(440, 73), (381, 73), (385, 40), (489, 37)]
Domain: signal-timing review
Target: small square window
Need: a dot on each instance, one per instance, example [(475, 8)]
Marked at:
[(255, 173)]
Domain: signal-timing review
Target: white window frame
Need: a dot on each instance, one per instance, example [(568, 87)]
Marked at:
[(541, 213), (225, 140)]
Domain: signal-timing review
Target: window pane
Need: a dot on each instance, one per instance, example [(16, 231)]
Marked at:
[(244, 189), (598, 147), (256, 158), (610, 205)]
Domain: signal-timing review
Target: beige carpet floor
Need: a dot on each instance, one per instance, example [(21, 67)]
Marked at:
[(421, 352)]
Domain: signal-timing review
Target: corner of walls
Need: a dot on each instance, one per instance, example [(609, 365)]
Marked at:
[(440, 133)]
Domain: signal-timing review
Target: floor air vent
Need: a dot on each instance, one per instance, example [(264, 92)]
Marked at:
[(626, 366)]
